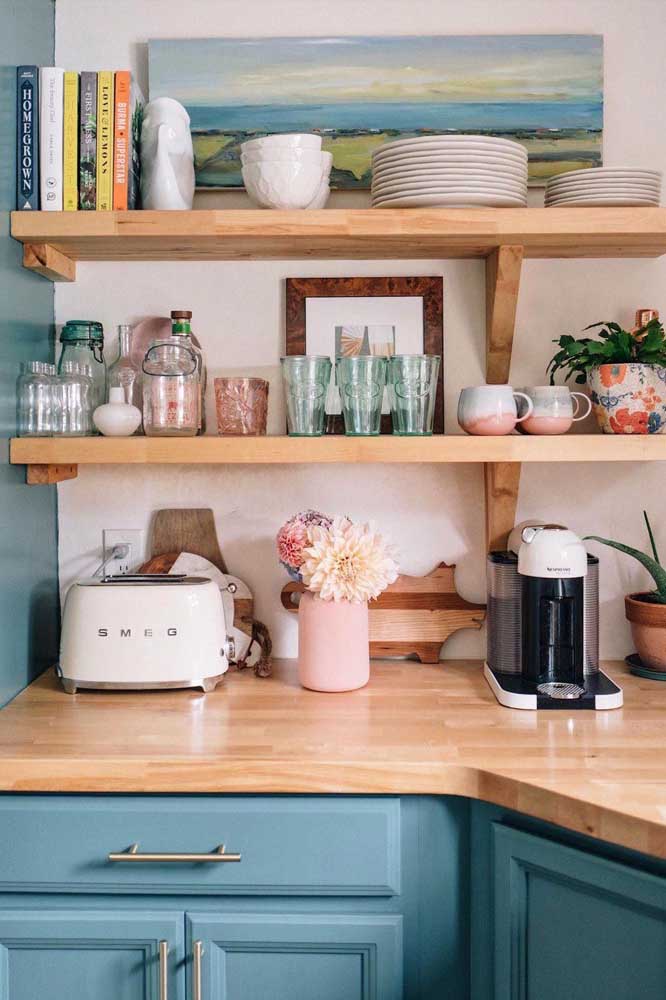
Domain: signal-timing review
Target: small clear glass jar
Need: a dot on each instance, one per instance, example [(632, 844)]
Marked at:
[(83, 343), (171, 390), (74, 400), (34, 400)]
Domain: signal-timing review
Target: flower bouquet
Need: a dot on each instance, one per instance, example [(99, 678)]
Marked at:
[(343, 564)]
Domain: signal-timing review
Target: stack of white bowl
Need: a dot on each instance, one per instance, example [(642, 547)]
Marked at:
[(286, 171), (456, 171), (604, 186)]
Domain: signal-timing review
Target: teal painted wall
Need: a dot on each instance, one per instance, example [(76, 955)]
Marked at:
[(28, 528)]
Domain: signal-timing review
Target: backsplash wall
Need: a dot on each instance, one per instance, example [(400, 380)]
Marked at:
[(431, 512)]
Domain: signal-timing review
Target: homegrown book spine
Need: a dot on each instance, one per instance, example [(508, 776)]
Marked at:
[(70, 141), (27, 128), (88, 142), (105, 141), (50, 137), (121, 140)]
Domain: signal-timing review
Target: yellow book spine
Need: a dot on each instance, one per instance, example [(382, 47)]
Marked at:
[(70, 143), (105, 141)]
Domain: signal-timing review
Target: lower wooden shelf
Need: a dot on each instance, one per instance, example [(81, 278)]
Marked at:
[(52, 460), (275, 450)]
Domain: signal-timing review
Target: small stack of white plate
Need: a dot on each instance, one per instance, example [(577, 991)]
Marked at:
[(452, 171), (604, 186)]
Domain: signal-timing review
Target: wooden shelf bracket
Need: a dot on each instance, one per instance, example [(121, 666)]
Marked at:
[(501, 482), (46, 475), (49, 262), (503, 267)]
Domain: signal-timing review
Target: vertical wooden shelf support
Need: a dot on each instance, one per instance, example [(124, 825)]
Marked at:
[(501, 482), (501, 479), (49, 262), (46, 475), (502, 284)]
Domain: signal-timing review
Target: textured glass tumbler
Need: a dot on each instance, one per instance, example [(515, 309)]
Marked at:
[(412, 390), (361, 381), (306, 379), (241, 405)]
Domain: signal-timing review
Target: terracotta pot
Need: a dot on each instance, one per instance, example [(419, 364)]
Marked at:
[(648, 630), (629, 399), (333, 644)]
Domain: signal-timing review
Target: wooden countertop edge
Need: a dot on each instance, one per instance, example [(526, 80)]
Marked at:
[(174, 776)]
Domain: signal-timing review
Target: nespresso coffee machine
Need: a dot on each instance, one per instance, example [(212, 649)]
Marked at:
[(543, 623)]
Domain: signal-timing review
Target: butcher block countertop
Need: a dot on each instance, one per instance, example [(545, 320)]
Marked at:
[(415, 729)]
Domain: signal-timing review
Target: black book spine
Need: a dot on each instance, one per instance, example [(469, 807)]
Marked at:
[(27, 138)]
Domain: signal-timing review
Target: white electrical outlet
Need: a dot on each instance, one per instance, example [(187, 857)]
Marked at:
[(133, 537)]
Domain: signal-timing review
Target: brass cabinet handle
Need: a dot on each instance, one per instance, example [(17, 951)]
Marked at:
[(132, 854), (164, 971), (197, 952)]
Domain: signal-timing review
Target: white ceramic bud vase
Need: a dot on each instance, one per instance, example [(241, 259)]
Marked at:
[(167, 157), (117, 418)]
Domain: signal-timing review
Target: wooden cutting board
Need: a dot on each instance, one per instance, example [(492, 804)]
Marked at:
[(414, 616)]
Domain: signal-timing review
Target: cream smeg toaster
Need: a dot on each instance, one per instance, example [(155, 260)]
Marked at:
[(142, 632)]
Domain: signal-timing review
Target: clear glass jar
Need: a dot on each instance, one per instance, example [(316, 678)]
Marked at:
[(181, 326), (123, 373), (83, 343), (74, 394), (171, 390), (34, 400)]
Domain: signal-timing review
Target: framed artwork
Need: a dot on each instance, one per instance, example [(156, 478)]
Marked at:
[(544, 91), (380, 316)]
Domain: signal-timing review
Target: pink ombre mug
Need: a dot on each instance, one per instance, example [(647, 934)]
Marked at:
[(554, 409), (491, 409)]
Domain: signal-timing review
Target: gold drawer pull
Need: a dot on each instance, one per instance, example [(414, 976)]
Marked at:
[(197, 952), (164, 970), (132, 854)]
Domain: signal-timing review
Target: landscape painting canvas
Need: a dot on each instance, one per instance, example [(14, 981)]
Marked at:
[(545, 91)]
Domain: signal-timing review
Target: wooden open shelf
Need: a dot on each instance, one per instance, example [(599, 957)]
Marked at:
[(441, 448), (55, 241)]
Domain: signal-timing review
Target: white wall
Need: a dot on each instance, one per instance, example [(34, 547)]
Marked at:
[(431, 512)]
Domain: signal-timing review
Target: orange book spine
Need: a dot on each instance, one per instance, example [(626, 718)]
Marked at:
[(121, 143)]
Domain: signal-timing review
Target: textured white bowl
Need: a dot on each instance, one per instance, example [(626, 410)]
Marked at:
[(282, 185), (279, 155), (295, 140)]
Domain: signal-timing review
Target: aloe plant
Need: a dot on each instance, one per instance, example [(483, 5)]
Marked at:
[(652, 563)]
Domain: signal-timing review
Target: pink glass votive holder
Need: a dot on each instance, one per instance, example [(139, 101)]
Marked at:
[(241, 405)]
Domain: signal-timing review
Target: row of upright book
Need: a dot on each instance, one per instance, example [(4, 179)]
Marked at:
[(78, 140)]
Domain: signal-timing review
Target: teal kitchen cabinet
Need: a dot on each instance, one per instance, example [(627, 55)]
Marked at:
[(292, 956), (336, 897), (555, 920), (90, 954)]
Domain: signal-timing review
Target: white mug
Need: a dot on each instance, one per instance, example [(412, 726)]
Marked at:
[(491, 409), (554, 409)]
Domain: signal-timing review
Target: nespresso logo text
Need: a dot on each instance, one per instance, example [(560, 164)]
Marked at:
[(126, 633), (558, 569)]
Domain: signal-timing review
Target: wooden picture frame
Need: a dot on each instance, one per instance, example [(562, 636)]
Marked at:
[(429, 288)]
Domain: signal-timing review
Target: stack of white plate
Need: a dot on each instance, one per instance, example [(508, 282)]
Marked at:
[(604, 186), (455, 171)]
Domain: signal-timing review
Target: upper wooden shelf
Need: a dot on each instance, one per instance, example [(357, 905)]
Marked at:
[(454, 448), (54, 241)]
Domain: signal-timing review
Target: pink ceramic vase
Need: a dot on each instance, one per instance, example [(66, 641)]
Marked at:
[(333, 644)]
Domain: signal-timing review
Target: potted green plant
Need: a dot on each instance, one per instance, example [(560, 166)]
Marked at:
[(646, 612), (625, 372)]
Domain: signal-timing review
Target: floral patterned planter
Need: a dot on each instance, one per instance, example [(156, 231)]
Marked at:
[(629, 398)]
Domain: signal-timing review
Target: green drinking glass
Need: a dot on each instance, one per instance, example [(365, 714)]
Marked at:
[(361, 381), (412, 390), (306, 379)]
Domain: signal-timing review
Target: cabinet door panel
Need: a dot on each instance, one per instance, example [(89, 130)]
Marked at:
[(299, 956), (573, 925), (90, 955)]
